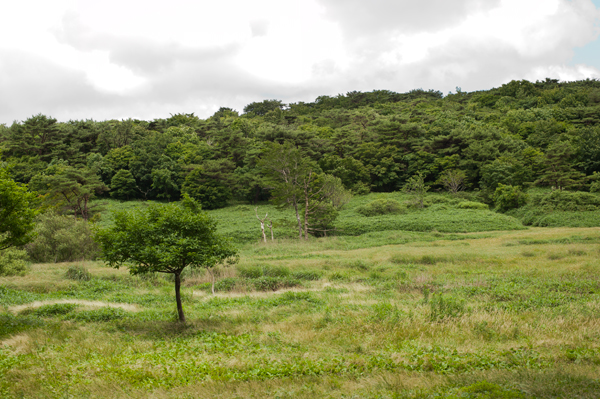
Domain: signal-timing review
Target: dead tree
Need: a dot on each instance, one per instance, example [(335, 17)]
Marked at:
[(271, 228), (262, 224)]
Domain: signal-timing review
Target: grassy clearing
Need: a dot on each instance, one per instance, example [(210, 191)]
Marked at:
[(443, 214), (503, 314)]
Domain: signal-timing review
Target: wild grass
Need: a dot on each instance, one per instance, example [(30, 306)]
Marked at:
[(442, 214), (505, 314)]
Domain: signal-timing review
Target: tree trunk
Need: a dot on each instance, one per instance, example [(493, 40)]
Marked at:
[(178, 296), (298, 219)]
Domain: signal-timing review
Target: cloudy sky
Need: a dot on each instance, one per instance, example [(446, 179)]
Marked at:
[(114, 59)]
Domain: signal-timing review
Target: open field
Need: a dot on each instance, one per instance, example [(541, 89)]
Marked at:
[(391, 314)]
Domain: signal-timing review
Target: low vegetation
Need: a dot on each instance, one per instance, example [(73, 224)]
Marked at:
[(449, 315)]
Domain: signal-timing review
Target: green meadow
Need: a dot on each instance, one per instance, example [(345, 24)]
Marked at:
[(482, 307)]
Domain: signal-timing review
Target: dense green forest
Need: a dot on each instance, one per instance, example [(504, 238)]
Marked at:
[(521, 134)]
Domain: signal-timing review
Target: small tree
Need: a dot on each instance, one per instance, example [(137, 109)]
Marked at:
[(123, 185), (416, 186), (16, 212), (558, 171), (508, 197), (165, 239), (453, 180)]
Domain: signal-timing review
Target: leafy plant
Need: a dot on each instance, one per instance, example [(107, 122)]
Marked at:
[(445, 307), (79, 273), (12, 262), (381, 207), (508, 197), (166, 239), (62, 239)]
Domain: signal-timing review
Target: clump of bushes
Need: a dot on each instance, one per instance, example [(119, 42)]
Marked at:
[(78, 273), (61, 239), (381, 207), (560, 200), (472, 205), (12, 262), (507, 197)]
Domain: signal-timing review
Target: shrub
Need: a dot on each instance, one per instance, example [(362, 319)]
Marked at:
[(79, 273), (559, 200), (250, 271), (472, 205), (381, 207), (508, 197), (62, 239), (12, 262), (226, 284), (267, 283)]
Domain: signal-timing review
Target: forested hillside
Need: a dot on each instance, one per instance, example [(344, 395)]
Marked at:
[(544, 133)]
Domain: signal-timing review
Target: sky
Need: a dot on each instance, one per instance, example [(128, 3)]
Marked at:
[(119, 59)]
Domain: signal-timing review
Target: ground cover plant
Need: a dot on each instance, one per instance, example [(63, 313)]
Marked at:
[(390, 314)]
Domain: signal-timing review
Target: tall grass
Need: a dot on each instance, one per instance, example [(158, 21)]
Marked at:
[(431, 317)]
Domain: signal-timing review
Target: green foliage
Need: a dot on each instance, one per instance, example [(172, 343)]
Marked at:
[(164, 239), (472, 205), (211, 194), (444, 307), (61, 239), (558, 171), (559, 200), (417, 188), (452, 180), (78, 273), (104, 314), (508, 197), (381, 207), (123, 185), (12, 262), (69, 188), (264, 107), (56, 309), (16, 212)]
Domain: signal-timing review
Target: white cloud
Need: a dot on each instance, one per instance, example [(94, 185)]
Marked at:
[(121, 58)]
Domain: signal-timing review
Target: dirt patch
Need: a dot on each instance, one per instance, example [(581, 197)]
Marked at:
[(87, 304)]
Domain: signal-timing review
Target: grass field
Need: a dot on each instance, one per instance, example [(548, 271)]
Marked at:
[(442, 214), (390, 314)]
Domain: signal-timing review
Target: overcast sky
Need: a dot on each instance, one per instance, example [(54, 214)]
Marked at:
[(115, 59)]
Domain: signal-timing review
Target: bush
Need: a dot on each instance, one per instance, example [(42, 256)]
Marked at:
[(78, 273), (266, 283), (226, 284), (62, 239), (381, 207), (12, 262), (250, 271), (472, 205), (507, 197), (560, 200)]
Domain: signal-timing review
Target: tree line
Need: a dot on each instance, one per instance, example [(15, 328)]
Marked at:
[(522, 133)]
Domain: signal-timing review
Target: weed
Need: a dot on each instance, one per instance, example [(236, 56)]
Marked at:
[(99, 315), (444, 307), (57, 309), (78, 273)]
